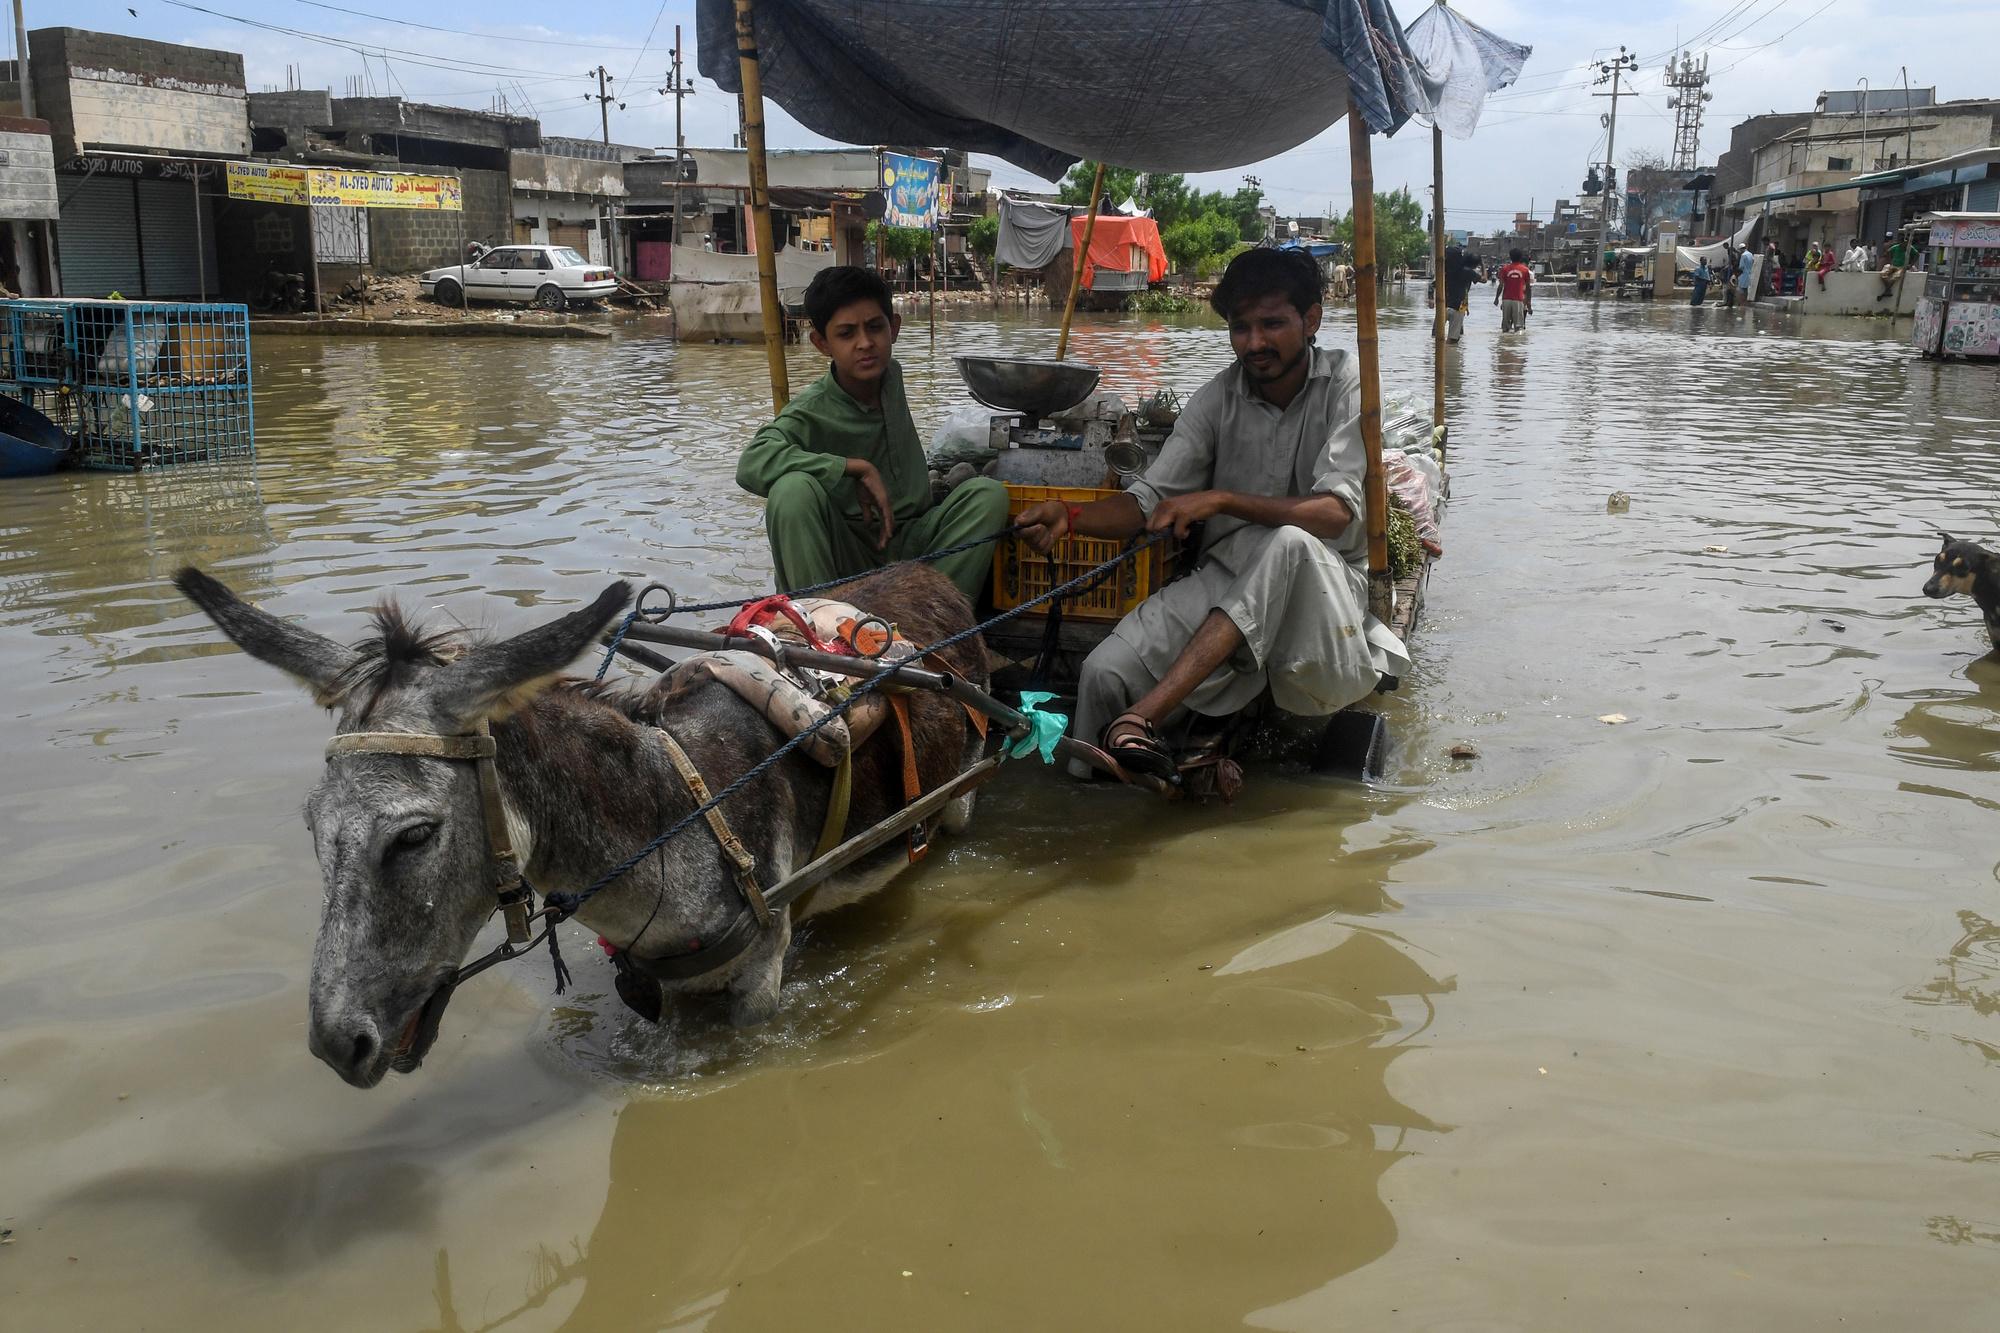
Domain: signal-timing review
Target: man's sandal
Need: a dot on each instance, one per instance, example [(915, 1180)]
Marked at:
[(1131, 740)]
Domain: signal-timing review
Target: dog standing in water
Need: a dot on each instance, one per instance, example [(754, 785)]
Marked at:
[(1973, 570)]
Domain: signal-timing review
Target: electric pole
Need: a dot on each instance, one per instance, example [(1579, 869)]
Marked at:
[(677, 88), (1609, 71), (1690, 85), (604, 101)]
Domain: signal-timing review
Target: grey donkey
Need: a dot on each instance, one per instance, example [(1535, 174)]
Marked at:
[(586, 781)]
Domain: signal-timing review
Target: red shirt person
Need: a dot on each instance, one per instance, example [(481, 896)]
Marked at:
[(1516, 293)]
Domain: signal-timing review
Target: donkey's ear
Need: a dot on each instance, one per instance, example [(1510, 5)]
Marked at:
[(313, 658), (496, 678)]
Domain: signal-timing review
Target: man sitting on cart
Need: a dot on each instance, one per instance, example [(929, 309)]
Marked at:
[(1267, 456), (843, 474)]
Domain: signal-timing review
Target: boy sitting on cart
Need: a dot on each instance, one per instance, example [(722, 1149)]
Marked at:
[(843, 474), (1267, 456)]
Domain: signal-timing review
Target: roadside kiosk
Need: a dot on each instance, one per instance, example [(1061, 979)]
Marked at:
[(1959, 312)]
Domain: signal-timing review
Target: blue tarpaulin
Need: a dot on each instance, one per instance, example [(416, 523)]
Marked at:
[(1157, 85)]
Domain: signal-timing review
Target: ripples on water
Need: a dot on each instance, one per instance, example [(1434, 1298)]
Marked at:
[(1611, 997)]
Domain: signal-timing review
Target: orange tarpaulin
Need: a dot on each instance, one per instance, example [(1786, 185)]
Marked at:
[(1112, 244)]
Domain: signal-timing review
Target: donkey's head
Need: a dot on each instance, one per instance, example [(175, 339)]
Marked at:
[(402, 844)]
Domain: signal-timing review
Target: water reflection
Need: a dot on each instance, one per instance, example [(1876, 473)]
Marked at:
[(870, 1165)]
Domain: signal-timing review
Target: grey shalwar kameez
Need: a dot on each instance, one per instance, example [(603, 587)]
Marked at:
[(1300, 601)]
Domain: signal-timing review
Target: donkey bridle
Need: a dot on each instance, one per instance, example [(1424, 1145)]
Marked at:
[(515, 899)]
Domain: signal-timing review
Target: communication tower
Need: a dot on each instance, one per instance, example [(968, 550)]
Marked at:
[(1689, 80)]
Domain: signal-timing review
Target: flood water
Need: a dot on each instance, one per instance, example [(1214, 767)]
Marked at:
[(1690, 1021)]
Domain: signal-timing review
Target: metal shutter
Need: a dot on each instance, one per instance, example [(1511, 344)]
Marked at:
[(1983, 197), (98, 236), (167, 237), (573, 234)]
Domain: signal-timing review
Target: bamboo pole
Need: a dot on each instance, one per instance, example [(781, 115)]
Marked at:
[(760, 202), (1076, 268), (1381, 587), (1437, 275)]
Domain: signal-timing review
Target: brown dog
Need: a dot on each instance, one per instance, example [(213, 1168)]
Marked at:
[(1966, 567)]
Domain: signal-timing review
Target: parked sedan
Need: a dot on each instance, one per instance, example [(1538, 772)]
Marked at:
[(550, 276)]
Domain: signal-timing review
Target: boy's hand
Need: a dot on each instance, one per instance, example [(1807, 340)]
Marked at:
[(1044, 525), (875, 506)]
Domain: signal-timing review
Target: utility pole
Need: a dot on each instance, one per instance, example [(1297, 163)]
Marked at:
[(677, 88), (1609, 71), (604, 100), (21, 61), (1690, 84)]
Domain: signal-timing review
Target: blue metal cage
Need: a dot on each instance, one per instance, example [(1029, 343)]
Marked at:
[(134, 383)]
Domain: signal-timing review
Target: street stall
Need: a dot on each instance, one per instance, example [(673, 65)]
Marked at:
[(1958, 313)]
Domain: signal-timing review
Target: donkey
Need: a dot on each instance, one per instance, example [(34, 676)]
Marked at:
[(585, 780)]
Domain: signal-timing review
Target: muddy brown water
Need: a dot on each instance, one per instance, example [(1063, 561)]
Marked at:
[(1689, 1021)]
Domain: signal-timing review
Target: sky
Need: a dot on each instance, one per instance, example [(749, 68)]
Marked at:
[(1533, 145)]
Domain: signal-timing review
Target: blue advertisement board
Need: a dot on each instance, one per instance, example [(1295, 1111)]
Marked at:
[(911, 186)]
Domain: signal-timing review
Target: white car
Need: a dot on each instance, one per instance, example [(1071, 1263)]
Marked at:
[(549, 276)]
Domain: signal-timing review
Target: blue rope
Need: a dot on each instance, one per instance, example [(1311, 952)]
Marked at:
[(568, 904)]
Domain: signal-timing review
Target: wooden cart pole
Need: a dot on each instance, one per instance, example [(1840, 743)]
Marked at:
[(760, 203), (1381, 586), (1076, 266), (1437, 275)]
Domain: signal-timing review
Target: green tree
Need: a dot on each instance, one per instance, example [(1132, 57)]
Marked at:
[(901, 244), (1400, 238), (1243, 206), (1186, 244), (1119, 183), (984, 237)]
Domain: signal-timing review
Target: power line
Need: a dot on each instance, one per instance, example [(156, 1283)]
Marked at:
[(648, 42), (428, 59), (462, 32)]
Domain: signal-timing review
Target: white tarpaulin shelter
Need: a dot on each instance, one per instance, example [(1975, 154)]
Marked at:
[(1688, 257), (1463, 63)]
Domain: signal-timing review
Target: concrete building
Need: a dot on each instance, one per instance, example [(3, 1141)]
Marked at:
[(28, 204), (819, 196), (1805, 177), (1734, 169), (136, 129), (309, 127), (564, 192)]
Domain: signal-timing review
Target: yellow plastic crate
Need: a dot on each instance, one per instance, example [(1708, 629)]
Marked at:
[(1020, 573)]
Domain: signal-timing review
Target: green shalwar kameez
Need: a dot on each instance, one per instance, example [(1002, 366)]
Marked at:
[(813, 512)]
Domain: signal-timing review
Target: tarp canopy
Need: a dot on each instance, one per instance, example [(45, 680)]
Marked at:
[(1112, 241), (1156, 85), (1462, 64), (1688, 257), (1032, 233)]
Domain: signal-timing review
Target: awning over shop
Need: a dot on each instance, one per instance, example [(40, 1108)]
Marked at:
[(1158, 85)]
